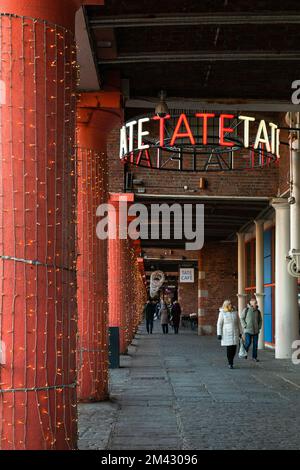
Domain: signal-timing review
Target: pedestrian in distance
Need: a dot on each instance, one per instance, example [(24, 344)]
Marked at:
[(149, 311), (251, 320), (157, 309), (229, 330), (175, 316), (164, 317)]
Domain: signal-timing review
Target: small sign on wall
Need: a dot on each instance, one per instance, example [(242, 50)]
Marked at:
[(186, 275)]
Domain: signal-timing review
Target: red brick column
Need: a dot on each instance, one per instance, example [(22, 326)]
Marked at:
[(38, 314), (93, 126)]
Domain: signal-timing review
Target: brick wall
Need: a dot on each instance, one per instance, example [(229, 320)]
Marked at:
[(261, 182), (188, 296), (217, 282), (115, 167)]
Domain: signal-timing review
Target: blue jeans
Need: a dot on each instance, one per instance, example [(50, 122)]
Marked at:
[(248, 340)]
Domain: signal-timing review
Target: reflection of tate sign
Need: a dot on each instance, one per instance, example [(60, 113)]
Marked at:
[(142, 141), (186, 275)]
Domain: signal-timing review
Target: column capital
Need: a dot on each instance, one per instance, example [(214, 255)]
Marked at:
[(259, 222), (240, 235), (98, 112), (280, 203), (295, 145)]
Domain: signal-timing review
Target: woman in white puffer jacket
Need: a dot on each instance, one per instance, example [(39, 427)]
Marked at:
[(229, 330)]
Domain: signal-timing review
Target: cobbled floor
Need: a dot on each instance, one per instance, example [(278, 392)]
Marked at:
[(176, 392)]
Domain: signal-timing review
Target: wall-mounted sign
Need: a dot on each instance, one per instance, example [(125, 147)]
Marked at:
[(199, 142), (186, 275)]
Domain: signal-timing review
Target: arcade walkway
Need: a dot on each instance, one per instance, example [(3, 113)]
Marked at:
[(175, 392)]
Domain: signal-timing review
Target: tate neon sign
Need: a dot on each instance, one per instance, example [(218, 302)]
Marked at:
[(144, 141)]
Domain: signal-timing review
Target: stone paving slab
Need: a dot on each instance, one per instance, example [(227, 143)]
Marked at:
[(176, 392)]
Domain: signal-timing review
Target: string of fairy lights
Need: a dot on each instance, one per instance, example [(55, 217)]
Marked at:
[(92, 278), (127, 289), (133, 292), (41, 225), (38, 259)]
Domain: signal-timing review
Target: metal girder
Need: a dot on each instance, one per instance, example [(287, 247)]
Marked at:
[(142, 21), (214, 105), (202, 56)]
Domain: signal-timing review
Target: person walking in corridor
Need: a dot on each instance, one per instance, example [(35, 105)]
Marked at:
[(157, 309), (164, 317), (149, 314), (229, 330), (251, 320), (175, 315)]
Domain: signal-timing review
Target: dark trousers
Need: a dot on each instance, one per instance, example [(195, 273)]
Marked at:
[(231, 352), (176, 328), (149, 326), (165, 329), (248, 340)]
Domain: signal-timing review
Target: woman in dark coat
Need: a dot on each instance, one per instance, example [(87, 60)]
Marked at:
[(175, 315)]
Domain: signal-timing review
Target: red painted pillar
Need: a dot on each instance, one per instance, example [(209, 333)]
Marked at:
[(38, 314), (140, 286), (129, 298), (118, 286), (127, 289), (93, 126)]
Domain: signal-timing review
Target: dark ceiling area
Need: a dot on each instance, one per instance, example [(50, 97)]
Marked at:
[(235, 50), (223, 217)]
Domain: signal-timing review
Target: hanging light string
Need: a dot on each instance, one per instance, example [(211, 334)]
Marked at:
[(92, 277), (24, 234), (132, 291), (11, 135), (47, 395)]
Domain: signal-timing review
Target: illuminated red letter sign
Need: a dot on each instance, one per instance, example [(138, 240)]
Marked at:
[(161, 128), (205, 117), (177, 134)]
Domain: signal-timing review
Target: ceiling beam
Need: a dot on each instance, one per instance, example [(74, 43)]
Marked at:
[(89, 79), (202, 56), (143, 21), (214, 105), (177, 197)]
